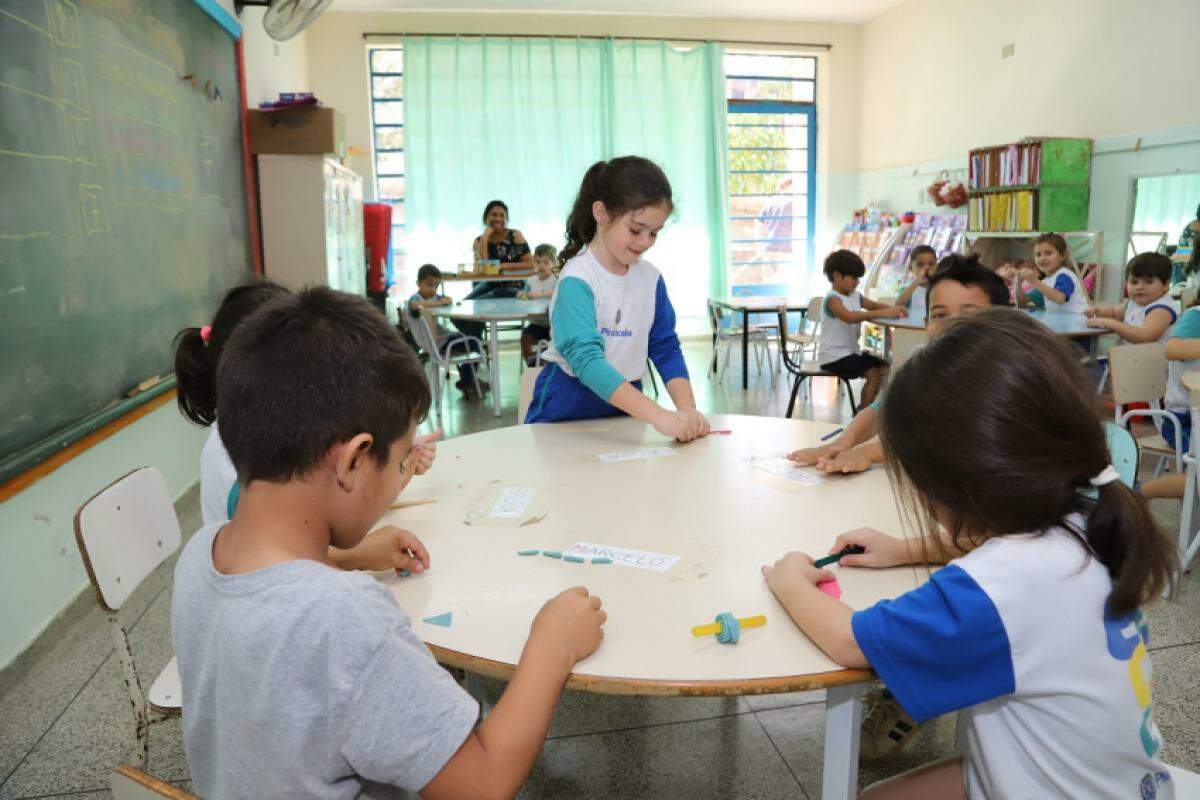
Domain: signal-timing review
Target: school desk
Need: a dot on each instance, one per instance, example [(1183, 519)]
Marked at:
[(753, 304), (493, 312), (707, 504), (1059, 322)]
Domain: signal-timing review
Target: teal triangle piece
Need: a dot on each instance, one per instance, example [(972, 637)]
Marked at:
[(442, 620)]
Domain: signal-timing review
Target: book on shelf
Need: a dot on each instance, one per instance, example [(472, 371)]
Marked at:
[(1017, 164)]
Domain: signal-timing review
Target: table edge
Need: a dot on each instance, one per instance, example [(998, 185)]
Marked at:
[(599, 684)]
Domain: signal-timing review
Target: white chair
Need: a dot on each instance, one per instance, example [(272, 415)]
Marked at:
[(1139, 375), (760, 338), (130, 783), (805, 337), (125, 533), (445, 356)]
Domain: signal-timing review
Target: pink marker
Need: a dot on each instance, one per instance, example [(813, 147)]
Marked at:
[(720, 433)]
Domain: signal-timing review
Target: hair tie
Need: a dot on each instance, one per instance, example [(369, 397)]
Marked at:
[(206, 333), (1105, 476)]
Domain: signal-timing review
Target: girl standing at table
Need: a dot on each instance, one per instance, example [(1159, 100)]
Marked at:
[(610, 310), (1053, 279), (1033, 627), (498, 242)]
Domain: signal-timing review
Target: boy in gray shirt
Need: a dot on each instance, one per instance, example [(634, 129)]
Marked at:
[(302, 680)]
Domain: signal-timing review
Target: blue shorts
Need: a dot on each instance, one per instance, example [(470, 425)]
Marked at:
[(1184, 421), (559, 397)]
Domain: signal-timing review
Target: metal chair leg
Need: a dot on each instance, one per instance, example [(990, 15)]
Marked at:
[(795, 391)]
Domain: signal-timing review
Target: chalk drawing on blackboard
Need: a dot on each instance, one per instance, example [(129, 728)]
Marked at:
[(91, 203), (74, 87), (81, 138), (65, 19)]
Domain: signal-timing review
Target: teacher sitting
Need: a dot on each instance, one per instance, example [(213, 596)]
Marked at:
[(500, 243)]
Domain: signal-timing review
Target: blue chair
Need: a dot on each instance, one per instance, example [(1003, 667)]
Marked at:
[(1123, 450)]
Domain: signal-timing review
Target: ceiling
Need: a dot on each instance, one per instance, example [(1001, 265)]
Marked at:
[(848, 11)]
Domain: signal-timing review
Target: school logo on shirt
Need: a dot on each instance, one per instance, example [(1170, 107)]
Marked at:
[(619, 333)]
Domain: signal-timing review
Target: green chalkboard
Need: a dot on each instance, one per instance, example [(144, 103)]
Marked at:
[(122, 204)]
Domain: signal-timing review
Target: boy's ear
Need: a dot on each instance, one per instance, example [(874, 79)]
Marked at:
[(349, 458)]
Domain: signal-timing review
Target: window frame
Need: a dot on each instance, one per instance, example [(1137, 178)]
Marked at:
[(399, 229)]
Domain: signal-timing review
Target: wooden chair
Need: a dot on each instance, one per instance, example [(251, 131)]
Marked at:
[(803, 370), (1139, 375), (125, 533), (130, 783)]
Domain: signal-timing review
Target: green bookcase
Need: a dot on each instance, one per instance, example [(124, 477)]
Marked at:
[(1054, 197)]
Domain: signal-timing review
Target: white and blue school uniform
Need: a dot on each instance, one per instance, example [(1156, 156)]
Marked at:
[(218, 480), (1178, 397), (838, 338), (1066, 281), (1055, 693), (604, 327), (1135, 314)]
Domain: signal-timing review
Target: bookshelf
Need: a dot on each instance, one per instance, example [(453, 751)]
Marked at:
[(1036, 184), (871, 235), (945, 233)]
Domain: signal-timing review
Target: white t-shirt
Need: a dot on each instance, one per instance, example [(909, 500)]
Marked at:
[(1188, 327), (536, 284), (838, 339), (217, 479), (917, 300), (1054, 693), (1066, 281), (1136, 314)]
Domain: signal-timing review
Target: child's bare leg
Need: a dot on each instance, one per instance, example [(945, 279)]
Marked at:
[(875, 377), (1166, 486), (940, 780)]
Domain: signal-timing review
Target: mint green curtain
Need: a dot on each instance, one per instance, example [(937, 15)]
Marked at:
[(521, 120)]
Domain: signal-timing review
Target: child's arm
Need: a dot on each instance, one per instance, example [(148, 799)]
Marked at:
[(1108, 312), (860, 429), (665, 353), (1182, 349), (1157, 322), (793, 579), (496, 758), (1051, 293), (857, 459), (873, 310), (387, 548)]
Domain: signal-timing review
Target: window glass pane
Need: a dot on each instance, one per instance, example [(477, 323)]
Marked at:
[(397, 215), (767, 205), (768, 160), (739, 119), (391, 188), (759, 89), (765, 182), (387, 60), (389, 113), (390, 164), (389, 138), (766, 135), (387, 86), (770, 66)]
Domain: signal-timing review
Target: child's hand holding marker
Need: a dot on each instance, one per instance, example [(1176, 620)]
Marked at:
[(793, 568), (387, 548), (424, 451), (875, 549)]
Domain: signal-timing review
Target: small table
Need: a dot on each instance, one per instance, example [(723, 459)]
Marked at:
[(483, 277), (493, 312), (737, 517), (757, 304)]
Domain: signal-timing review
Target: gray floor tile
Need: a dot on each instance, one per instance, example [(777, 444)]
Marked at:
[(1176, 710), (726, 758), (767, 702)]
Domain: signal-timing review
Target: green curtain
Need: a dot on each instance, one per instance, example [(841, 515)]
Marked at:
[(521, 120)]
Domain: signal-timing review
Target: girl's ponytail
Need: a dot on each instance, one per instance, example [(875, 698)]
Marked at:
[(581, 225), (196, 377), (1139, 557)]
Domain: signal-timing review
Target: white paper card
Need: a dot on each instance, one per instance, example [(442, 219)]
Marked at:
[(789, 470), (640, 559), (634, 455), (513, 501)]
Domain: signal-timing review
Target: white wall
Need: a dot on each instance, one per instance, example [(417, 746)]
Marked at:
[(271, 67), (338, 66)]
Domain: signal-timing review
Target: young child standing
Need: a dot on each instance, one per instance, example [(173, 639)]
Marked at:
[(340, 698), (1056, 704), (842, 315), (922, 261), (539, 285), (1052, 277), (1150, 312), (611, 309), (429, 277)]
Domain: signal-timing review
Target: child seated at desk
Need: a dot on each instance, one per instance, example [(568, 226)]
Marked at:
[(1149, 313), (1183, 355), (306, 681), (1033, 628), (922, 261), (540, 285), (1056, 286), (429, 277)]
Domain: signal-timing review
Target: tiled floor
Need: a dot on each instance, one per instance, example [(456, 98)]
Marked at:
[(65, 721)]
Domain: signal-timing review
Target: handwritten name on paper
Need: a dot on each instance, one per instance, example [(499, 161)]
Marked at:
[(513, 502), (789, 470), (635, 455), (639, 559)]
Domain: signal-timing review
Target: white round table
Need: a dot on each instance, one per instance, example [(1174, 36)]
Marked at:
[(493, 312), (708, 504)]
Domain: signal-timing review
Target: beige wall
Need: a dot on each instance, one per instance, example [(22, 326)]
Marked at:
[(338, 66), (935, 84), (271, 67)]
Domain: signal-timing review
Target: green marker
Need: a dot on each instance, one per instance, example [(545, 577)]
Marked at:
[(849, 550)]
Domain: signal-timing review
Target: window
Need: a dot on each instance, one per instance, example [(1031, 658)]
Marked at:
[(387, 138), (772, 137)]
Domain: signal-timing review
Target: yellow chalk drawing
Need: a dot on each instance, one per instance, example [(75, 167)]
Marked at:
[(81, 137), (18, 237), (159, 125), (139, 154), (74, 86), (34, 155), (156, 206), (91, 203), (37, 28), (65, 20), (119, 43), (31, 93)]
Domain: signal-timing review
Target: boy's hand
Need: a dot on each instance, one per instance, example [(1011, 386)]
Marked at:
[(568, 626), (422, 455), (1091, 311), (386, 548), (895, 312), (846, 462), (811, 455), (881, 550), (792, 569), (1100, 322)]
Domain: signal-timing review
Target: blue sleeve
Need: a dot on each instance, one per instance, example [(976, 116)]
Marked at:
[(1036, 298), (663, 348), (1065, 285), (577, 337), (1166, 308), (1189, 325), (940, 647)]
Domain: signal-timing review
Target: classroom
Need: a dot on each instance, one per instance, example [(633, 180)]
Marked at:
[(625, 399)]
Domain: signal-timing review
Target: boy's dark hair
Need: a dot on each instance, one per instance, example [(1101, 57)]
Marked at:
[(1019, 457), (196, 360), (628, 183), (967, 271), (308, 371), (545, 251), (920, 250), (428, 271), (1150, 265), (493, 204), (844, 262)]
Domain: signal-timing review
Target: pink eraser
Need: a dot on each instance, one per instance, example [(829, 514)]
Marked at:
[(831, 588)]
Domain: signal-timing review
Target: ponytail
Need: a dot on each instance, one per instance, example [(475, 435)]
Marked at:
[(196, 378), (628, 183), (1128, 542)]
